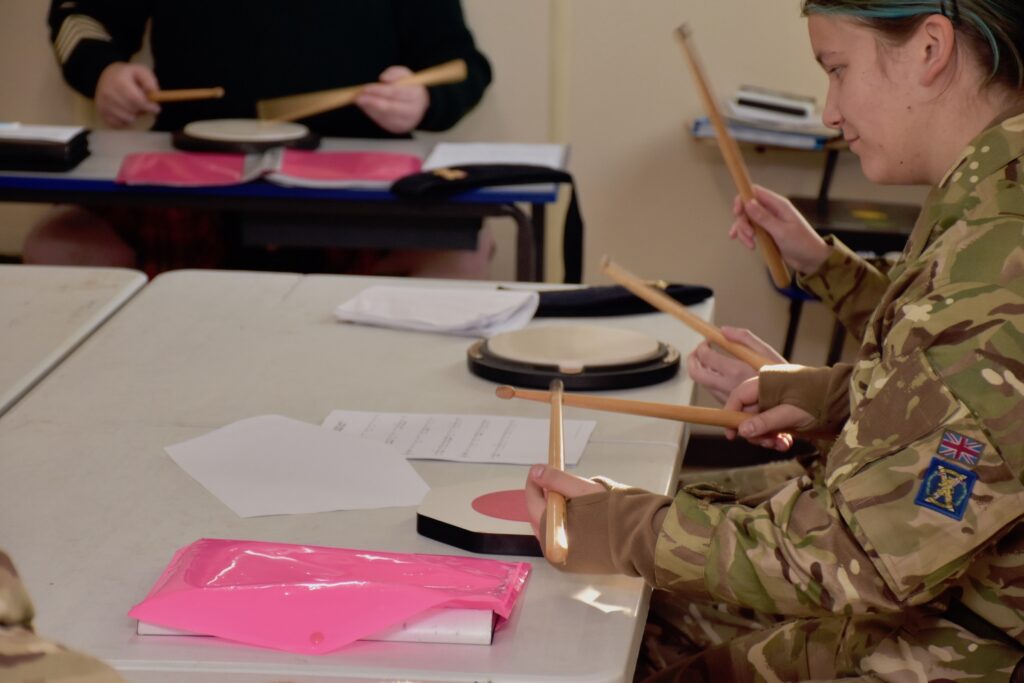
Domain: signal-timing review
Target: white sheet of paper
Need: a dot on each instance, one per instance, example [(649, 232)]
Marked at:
[(274, 465), (448, 310), (458, 153), (463, 438)]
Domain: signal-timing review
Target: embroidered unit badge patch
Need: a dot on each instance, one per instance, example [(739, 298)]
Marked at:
[(946, 488), (960, 448)]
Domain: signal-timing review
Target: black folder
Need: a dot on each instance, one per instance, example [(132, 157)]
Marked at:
[(19, 153)]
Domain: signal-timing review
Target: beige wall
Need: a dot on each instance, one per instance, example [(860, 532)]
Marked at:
[(608, 78)]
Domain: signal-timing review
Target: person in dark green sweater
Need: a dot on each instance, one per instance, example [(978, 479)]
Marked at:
[(271, 49)]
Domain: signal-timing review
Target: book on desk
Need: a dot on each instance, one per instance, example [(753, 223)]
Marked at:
[(438, 625)]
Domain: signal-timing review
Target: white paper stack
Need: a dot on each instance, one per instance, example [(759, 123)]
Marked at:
[(468, 153), (465, 312)]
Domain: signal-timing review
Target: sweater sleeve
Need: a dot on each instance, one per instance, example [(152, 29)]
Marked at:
[(433, 33), (90, 35)]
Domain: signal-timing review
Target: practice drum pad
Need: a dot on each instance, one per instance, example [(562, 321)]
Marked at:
[(482, 516), (243, 135), (584, 357)]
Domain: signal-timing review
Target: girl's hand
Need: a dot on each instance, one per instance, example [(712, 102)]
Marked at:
[(543, 479), (801, 247), (720, 373), (772, 428)]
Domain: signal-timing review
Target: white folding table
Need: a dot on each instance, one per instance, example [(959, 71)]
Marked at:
[(46, 311), (93, 508)]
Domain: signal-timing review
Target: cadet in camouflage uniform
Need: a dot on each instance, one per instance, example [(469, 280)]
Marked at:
[(27, 658), (901, 557)]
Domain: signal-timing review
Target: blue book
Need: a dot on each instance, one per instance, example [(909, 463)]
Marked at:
[(766, 134)]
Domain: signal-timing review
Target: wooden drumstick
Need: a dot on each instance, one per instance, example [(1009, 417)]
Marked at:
[(294, 107), (185, 94), (733, 159), (556, 541), (663, 302), (730, 419)]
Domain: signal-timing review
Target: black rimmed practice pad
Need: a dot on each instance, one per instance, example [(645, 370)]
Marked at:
[(584, 357), (245, 136)]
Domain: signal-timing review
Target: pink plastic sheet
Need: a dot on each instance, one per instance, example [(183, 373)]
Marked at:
[(331, 166), (182, 169), (314, 599), (291, 166)]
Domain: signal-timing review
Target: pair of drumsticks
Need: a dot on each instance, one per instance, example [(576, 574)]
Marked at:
[(556, 546), (556, 539), (307, 104)]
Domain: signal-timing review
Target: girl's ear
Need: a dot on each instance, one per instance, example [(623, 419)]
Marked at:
[(935, 44)]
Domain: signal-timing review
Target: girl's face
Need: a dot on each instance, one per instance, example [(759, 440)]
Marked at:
[(871, 98)]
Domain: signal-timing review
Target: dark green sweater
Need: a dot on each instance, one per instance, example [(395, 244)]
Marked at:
[(269, 48)]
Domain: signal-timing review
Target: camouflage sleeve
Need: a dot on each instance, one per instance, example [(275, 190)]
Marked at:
[(15, 605), (24, 656), (850, 286), (929, 477)]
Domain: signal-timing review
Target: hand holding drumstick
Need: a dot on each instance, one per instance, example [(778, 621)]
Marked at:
[(720, 373), (548, 487), (663, 302)]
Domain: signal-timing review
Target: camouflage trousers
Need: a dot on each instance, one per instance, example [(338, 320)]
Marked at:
[(693, 641), (910, 647), (27, 658)]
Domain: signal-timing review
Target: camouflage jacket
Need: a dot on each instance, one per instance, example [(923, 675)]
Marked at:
[(24, 656), (848, 285), (920, 496)]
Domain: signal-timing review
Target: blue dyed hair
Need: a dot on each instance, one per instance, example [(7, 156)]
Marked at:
[(994, 28)]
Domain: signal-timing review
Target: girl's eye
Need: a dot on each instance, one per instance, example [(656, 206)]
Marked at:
[(834, 70)]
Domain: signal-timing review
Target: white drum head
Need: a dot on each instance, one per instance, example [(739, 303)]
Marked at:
[(573, 348), (246, 130)]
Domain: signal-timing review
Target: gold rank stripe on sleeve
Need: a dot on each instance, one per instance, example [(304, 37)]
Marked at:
[(75, 29)]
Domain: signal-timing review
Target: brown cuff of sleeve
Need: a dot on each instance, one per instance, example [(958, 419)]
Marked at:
[(822, 282), (615, 531), (835, 257), (822, 392)]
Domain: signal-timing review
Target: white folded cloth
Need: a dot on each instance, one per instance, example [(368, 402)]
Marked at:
[(466, 312)]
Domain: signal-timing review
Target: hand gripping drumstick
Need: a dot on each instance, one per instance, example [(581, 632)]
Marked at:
[(729, 419), (734, 160), (292, 107), (663, 302), (556, 542)]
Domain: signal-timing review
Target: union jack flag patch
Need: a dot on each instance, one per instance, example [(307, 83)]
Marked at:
[(960, 448)]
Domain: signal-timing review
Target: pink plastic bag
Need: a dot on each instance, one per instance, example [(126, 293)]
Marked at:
[(182, 169), (314, 599), (290, 167), (335, 166)]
